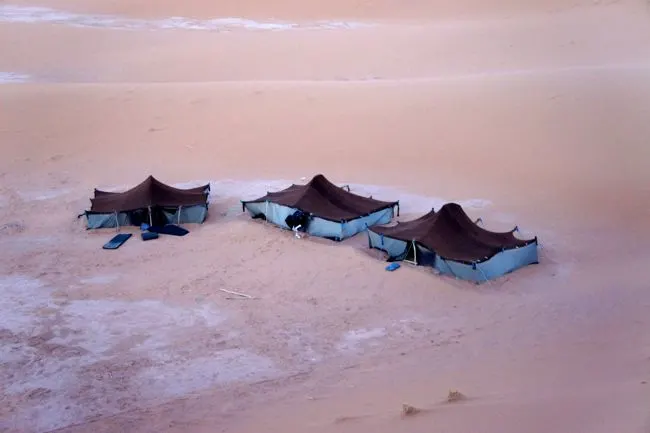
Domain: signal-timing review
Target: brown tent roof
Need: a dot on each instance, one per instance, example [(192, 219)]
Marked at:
[(452, 235), (151, 192), (325, 200)]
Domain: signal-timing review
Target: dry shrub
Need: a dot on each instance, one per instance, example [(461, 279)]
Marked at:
[(408, 410), (454, 395)]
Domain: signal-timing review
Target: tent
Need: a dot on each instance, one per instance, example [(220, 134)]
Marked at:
[(321, 208), (151, 202), (453, 244)]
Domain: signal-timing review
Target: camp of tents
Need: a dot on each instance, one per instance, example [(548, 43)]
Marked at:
[(447, 240)]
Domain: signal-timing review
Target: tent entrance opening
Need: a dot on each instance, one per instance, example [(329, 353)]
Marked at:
[(411, 254), (153, 215)]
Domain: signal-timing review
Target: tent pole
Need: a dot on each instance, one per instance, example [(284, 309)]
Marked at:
[(117, 222), (449, 267), (483, 273), (150, 217), (415, 257), (179, 214)]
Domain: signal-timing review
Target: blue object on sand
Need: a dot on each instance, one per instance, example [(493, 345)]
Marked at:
[(117, 241), (144, 227), (147, 236), (392, 266)]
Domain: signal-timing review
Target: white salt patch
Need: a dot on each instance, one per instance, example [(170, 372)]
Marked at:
[(51, 415), (413, 326), (301, 345), (413, 203), (22, 14), (54, 375), (28, 243), (244, 190), (187, 376), (364, 334), (42, 195), (352, 339), (21, 298), (57, 346), (475, 203), (342, 25), (101, 324), (100, 279), (13, 77), (191, 184), (311, 355), (409, 203), (219, 24)]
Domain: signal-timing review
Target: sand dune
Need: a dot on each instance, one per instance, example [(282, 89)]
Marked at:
[(381, 9), (526, 113), (543, 135), (387, 50)]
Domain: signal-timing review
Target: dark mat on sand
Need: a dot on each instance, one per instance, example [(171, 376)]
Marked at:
[(147, 236), (117, 241), (169, 229)]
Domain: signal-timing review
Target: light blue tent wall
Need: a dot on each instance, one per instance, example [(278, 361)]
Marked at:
[(181, 215), (107, 220), (277, 214), (395, 248), (498, 265), (186, 214)]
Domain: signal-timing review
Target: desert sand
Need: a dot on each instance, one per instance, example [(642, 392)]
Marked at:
[(527, 113)]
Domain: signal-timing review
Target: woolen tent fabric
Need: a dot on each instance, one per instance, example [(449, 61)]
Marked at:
[(151, 201), (453, 235), (333, 212), (322, 198), (451, 242), (149, 193)]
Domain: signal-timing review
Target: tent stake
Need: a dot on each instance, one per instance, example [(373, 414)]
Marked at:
[(243, 295)]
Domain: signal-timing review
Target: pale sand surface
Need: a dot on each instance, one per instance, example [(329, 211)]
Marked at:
[(318, 9), (528, 114)]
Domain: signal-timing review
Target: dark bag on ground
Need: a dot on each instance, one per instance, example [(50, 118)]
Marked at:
[(298, 218)]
